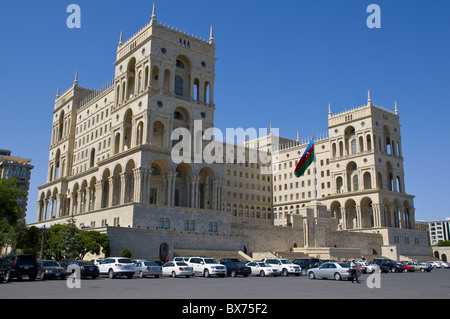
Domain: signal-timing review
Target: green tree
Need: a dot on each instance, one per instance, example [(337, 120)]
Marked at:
[(443, 243), (10, 211), (68, 242)]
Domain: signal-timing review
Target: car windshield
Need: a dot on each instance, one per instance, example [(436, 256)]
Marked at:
[(50, 264), (285, 261), (263, 265), (210, 261), (125, 261)]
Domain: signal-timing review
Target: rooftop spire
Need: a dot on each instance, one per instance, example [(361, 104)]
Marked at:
[(211, 36), (329, 109), (396, 109), (57, 92), (121, 38), (369, 101), (154, 12), (75, 82)]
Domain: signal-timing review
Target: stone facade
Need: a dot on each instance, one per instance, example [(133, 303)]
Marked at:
[(112, 167)]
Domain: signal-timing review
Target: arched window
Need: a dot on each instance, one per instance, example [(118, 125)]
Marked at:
[(180, 64), (178, 85), (355, 183), (354, 150)]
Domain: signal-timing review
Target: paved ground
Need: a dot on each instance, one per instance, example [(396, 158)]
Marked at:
[(434, 285)]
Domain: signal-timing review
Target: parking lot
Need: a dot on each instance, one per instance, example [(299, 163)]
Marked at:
[(433, 285)]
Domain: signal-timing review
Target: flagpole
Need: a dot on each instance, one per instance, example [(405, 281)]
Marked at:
[(315, 179)]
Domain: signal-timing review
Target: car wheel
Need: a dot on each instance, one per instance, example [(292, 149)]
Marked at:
[(285, 272), (206, 273), (337, 276), (303, 271), (311, 275), (111, 274), (42, 276), (8, 276), (393, 269), (262, 273), (233, 274), (174, 274), (141, 274)]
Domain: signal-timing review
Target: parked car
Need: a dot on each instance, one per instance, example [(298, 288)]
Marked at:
[(306, 263), (177, 268), (368, 267), (48, 269), (18, 266), (388, 265), (147, 268), (2, 275), (421, 266), (207, 267), (182, 259), (335, 270), (223, 261), (117, 266), (96, 262), (436, 264), (408, 267), (285, 266), (87, 268), (262, 269), (237, 269)]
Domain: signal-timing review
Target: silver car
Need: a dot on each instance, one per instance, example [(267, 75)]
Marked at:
[(335, 270), (147, 268)]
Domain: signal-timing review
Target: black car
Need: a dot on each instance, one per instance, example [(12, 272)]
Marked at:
[(2, 275), (223, 261), (388, 265), (18, 266), (237, 269), (50, 269), (307, 263), (87, 269)]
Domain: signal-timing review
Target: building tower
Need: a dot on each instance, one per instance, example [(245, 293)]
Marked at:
[(367, 169)]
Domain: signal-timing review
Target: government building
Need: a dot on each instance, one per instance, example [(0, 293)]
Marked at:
[(112, 168)]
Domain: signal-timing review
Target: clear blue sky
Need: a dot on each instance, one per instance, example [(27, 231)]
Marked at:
[(278, 61)]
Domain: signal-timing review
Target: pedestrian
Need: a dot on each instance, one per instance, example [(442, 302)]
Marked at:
[(353, 271)]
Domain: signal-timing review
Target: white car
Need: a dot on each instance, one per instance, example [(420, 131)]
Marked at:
[(337, 271), (370, 268), (436, 264), (147, 268), (182, 259), (117, 266), (177, 268), (285, 266), (207, 267), (262, 269)]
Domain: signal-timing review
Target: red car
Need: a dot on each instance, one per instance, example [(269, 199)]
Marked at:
[(408, 268)]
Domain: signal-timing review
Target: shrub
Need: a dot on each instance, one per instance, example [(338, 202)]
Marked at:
[(125, 253)]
